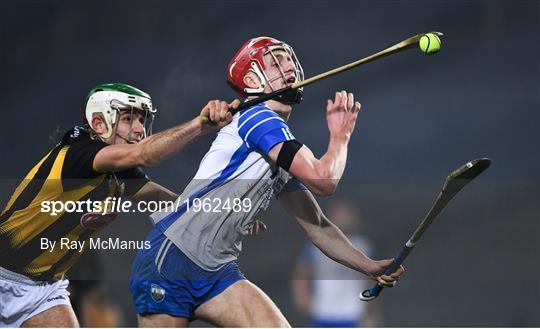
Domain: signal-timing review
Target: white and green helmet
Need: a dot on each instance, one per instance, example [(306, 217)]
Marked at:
[(109, 99)]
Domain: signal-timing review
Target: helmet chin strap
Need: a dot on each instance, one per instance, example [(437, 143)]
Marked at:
[(128, 140), (289, 98)]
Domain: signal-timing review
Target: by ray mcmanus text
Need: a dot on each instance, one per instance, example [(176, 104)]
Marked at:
[(93, 243)]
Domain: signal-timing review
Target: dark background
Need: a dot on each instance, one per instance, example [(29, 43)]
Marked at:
[(422, 117)]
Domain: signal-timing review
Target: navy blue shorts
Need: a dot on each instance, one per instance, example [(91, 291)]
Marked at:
[(165, 281)]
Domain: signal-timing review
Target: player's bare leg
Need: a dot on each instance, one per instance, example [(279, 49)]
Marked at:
[(161, 320), (242, 304), (60, 316)]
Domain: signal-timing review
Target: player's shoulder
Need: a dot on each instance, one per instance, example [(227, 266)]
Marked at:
[(258, 119), (80, 135), (256, 114), (75, 134)]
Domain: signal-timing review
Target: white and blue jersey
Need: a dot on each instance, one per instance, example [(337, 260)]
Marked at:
[(236, 168), (193, 253)]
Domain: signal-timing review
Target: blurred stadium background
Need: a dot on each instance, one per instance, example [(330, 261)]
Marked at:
[(479, 265)]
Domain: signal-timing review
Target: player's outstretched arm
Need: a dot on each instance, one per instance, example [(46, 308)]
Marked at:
[(321, 176), (330, 240), (156, 148)]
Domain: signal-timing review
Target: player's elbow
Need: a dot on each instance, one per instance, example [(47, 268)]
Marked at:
[(318, 177), (325, 191), (323, 187), (324, 183), (330, 187)]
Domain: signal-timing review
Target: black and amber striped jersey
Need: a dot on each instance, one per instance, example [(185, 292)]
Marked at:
[(66, 173)]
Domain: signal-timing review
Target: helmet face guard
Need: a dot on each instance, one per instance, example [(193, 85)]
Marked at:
[(148, 119), (109, 100), (250, 58)]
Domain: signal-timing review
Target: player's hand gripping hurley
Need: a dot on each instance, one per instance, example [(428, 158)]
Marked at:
[(453, 184)]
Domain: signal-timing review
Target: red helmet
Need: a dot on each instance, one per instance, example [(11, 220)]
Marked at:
[(250, 58)]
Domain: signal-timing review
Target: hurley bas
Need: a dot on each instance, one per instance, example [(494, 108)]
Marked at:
[(93, 243)]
